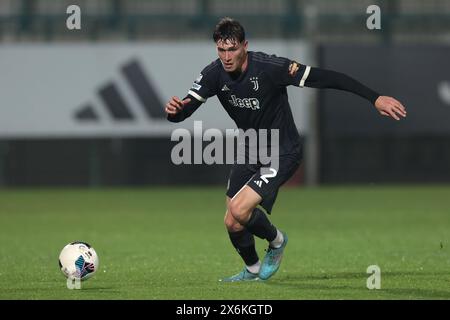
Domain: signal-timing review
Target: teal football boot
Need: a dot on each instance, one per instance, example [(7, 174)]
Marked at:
[(244, 275), (272, 260)]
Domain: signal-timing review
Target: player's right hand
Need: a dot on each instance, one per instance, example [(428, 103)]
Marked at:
[(175, 105)]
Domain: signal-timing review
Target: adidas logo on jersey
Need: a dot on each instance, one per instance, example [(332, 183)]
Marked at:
[(225, 88), (258, 183), (250, 103)]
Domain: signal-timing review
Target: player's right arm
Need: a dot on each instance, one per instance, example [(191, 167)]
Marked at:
[(177, 110), (204, 86)]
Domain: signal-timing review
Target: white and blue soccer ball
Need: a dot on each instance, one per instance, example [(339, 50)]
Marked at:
[(78, 260)]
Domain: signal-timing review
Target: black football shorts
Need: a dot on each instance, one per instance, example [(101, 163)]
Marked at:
[(263, 179)]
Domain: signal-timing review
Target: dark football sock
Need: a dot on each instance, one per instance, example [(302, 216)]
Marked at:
[(260, 226), (244, 242)]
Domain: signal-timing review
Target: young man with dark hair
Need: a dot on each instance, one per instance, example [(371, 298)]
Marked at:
[(239, 75)]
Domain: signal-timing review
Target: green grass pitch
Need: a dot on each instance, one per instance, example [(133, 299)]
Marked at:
[(170, 243)]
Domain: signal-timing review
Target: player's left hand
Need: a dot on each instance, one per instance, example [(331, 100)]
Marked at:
[(390, 107)]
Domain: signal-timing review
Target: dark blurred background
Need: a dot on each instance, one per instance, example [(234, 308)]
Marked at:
[(84, 107)]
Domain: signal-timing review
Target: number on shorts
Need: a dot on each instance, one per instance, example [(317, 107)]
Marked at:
[(269, 175)]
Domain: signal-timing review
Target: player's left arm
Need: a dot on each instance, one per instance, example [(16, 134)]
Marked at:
[(322, 78)]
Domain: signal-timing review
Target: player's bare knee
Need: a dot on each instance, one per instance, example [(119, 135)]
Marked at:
[(239, 213), (228, 220), (231, 224)]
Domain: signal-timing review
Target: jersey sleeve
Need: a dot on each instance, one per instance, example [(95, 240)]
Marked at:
[(205, 85), (278, 69), (322, 78)]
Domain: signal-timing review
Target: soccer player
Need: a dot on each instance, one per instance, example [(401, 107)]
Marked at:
[(251, 86)]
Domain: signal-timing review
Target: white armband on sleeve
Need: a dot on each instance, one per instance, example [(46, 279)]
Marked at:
[(305, 76), (196, 96)]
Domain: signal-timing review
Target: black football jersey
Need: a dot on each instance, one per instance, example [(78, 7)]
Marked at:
[(256, 98)]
